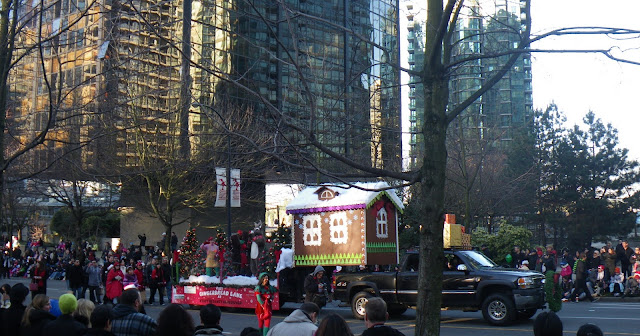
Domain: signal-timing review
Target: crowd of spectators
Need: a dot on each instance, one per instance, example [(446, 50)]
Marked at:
[(102, 274), (588, 273)]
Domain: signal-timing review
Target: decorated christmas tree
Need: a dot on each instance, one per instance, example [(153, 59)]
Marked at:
[(227, 268), (191, 258), (267, 262), (282, 237)]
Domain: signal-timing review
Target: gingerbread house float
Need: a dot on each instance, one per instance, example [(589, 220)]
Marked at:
[(338, 225)]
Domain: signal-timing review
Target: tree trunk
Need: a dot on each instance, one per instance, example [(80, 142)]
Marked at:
[(432, 189), (167, 241)]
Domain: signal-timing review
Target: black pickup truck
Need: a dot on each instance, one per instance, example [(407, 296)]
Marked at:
[(471, 282)]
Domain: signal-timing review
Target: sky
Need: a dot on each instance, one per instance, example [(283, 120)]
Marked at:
[(578, 83)]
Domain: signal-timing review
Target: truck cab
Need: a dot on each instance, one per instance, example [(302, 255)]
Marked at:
[(471, 282)]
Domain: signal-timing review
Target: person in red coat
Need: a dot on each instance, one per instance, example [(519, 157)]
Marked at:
[(114, 282), (141, 283), (39, 277), (157, 283)]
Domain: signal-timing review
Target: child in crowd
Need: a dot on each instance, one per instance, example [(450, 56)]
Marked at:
[(617, 283), (130, 278)]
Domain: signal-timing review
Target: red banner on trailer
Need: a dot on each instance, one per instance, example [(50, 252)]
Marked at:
[(243, 297)]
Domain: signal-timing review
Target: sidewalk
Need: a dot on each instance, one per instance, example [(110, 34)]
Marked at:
[(619, 299)]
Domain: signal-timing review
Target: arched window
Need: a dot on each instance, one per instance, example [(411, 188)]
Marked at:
[(312, 230), (338, 228), (326, 194), (382, 225)]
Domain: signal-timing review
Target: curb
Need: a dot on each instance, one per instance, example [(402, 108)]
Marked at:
[(619, 299)]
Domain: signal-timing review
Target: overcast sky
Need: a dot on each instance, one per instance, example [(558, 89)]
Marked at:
[(578, 83)]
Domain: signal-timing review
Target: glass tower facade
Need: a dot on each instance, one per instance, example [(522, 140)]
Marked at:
[(328, 67), (484, 28)]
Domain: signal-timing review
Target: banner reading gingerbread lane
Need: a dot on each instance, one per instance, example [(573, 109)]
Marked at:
[(334, 228), (242, 297)]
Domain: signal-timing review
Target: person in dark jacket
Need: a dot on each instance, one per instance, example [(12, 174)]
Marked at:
[(36, 316), (128, 318), (517, 257), (595, 261), (143, 239), (625, 259), (166, 273), (609, 260), (581, 279), (485, 249), (65, 324), (13, 315), (101, 321), (174, 242), (75, 275), (316, 287), (210, 317), (375, 316)]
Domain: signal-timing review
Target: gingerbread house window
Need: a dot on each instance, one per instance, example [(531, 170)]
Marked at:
[(382, 225), (338, 233), (325, 194), (312, 230)]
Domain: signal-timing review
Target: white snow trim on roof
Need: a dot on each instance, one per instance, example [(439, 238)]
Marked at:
[(307, 198)]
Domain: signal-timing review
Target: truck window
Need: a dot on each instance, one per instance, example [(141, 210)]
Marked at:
[(412, 263), (451, 262)]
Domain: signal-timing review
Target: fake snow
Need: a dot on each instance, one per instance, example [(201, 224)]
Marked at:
[(286, 259)]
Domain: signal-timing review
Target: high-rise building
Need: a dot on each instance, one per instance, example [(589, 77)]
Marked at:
[(329, 67), (483, 29)]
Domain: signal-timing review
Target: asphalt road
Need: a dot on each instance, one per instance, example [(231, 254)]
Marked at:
[(613, 317)]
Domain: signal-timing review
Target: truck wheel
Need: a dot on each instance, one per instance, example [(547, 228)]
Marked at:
[(498, 309), (526, 314), (357, 304)]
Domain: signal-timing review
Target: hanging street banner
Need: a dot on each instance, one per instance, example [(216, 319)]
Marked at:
[(221, 180)]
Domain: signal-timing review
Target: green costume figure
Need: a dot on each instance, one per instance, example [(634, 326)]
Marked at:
[(264, 295)]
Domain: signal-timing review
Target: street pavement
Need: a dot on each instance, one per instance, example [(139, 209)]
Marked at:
[(613, 315)]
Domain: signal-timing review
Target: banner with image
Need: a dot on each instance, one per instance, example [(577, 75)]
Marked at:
[(221, 180)]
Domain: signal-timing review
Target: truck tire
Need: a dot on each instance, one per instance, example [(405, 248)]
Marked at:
[(498, 309), (526, 314), (357, 304)]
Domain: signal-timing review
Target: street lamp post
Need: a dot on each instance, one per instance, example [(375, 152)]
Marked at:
[(228, 203)]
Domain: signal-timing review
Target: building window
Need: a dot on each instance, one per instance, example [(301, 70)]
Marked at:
[(382, 226), (338, 233), (312, 230)]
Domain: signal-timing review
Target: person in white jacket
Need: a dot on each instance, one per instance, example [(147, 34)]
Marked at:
[(301, 322)]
